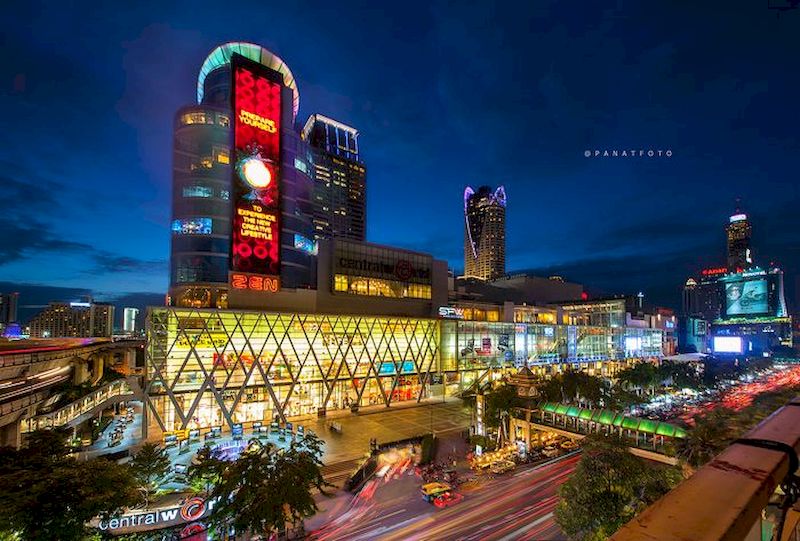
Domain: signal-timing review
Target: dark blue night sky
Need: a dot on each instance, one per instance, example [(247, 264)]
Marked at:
[(443, 97)]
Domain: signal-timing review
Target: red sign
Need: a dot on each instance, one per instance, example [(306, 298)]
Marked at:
[(255, 282), (715, 271), (255, 236)]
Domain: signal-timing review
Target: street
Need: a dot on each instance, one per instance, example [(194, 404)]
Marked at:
[(515, 506)]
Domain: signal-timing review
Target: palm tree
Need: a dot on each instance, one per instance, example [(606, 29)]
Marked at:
[(709, 436)]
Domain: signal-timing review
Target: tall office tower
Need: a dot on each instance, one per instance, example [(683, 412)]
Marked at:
[(485, 233), (8, 309), (129, 320), (340, 198), (201, 194), (74, 319), (739, 232)]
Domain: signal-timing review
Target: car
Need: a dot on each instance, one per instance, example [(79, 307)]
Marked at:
[(569, 445), (447, 499), (550, 451), (502, 466), (433, 490)]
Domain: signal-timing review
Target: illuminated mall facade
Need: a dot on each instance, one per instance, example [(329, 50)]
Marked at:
[(292, 325)]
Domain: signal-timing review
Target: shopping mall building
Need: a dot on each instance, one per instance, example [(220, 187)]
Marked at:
[(218, 368), (271, 318)]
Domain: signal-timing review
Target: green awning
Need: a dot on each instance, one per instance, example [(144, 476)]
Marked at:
[(665, 429), (646, 425), (612, 418), (573, 411), (606, 417), (631, 423)]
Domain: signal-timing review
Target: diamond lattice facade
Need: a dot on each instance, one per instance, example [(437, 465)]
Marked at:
[(210, 368), (217, 368)]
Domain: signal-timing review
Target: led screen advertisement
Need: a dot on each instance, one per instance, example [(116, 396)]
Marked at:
[(727, 344), (746, 297), (256, 106)]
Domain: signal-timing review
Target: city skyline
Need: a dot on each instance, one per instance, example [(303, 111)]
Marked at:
[(618, 235)]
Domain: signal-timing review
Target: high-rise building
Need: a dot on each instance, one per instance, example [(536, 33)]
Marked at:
[(8, 309), (129, 316), (485, 233), (73, 319), (201, 204), (739, 232), (339, 198)]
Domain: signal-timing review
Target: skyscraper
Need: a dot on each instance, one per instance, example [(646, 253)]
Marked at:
[(485, 233), (129, 320), (201, 195), (339, 198), (8, 309), (739, 232)]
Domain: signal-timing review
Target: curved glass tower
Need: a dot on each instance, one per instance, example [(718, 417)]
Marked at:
[(485, 233), (201, 188)]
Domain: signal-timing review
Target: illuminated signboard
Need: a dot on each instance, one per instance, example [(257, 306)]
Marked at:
[(191, 510), (254, 282), (715, 271), (255, 238), (727, 344), (746, 297), (451, 312), (192, 226), (307, 245)]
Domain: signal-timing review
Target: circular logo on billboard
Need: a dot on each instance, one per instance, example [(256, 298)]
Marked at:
[(403, 270), (193, 509)]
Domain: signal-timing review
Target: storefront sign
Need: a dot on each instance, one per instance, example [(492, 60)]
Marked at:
[(451, 312), (194, 509), (388, 266)]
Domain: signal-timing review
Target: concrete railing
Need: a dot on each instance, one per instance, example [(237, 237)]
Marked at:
[(726, 498), (116, 391)]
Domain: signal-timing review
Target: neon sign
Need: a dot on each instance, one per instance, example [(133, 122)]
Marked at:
[(255, 282), (714, 271), (255, 261)]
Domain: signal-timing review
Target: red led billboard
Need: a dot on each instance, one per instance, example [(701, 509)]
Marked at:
[(256, 106)]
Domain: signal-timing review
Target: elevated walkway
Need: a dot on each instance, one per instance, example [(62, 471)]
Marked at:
[(74, 413)]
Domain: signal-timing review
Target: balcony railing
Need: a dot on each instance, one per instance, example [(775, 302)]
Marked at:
[(728, 498)]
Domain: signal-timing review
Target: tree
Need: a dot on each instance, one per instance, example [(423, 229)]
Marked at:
[(45, 494), (205, 471), (608, 488), (644, 376), (266, 487), (502, 398), (709, 436), (150, 467), (683, 375)]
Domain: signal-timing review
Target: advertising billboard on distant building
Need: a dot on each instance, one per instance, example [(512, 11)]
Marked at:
[(255, 236), (728, 344), (746, 297)]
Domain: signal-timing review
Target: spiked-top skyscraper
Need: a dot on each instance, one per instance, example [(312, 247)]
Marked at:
[(485, 233)]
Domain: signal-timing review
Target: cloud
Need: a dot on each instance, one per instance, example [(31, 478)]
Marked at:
[(106, 262), (24, 241)]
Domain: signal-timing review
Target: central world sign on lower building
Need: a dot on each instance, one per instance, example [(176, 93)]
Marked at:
[(192, 510)]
